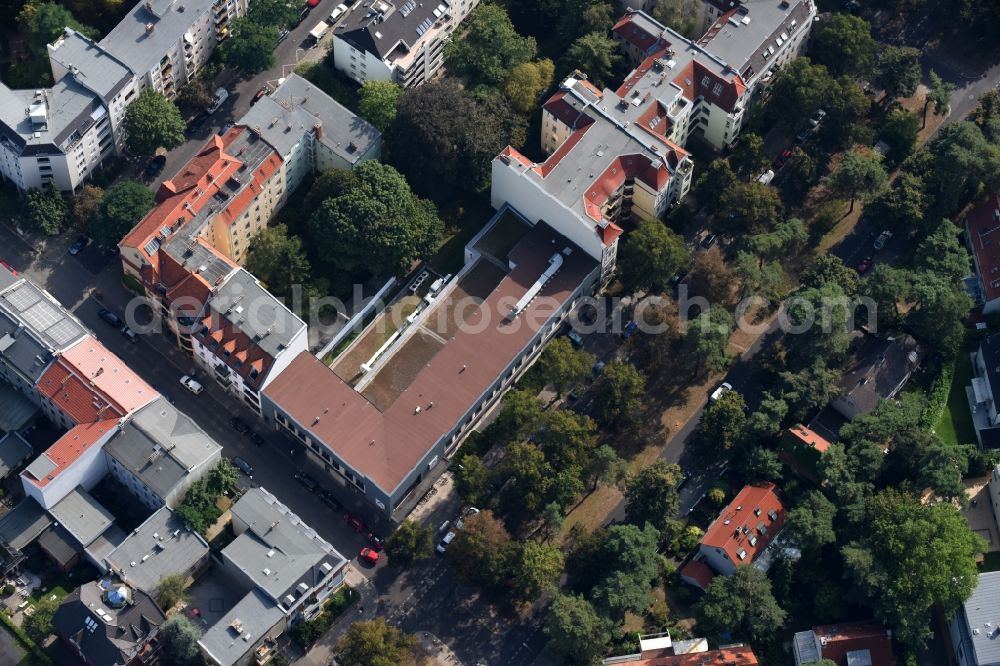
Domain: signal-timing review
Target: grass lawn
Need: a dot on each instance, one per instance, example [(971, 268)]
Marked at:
[(955, 425)]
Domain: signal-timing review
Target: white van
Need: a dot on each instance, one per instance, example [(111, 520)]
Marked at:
[(317, 33)]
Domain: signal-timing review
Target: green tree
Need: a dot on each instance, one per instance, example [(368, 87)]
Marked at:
[(717, 179), (902, 207), (194, 96), (756, 463), (152, 121), (563, 365), (250, 45), (520, 416), (536, 567), (650, 256), (900, 132), (277, 13), (38, 625), (809, 389), (595, 55), (749, 208), (472, 479), (526, 82), (124, 204), (938, 95), (604, 466), (87, 203), (723, 424), (180, 639), (482, 551), (912, 556), (898, 71), (830, 269), (943, 253), (766, 422), (377, 227), (786, 240), (377, 102), (170, 590), (629, 565), (651, 495), (47, 210), (706, 341), (620, 391), (820, 318), (941, 307), (844, 44), (800, 175), (811, 521), (748, 157), (859, 176), (743, 604), (374, 643), (410, 542), (553, 518), (956, 163), (491, 47), (567, 438), (44, 22), (799, 88), (684, 16), (278, 260), (578, 17), (847, 108), (576, 630)]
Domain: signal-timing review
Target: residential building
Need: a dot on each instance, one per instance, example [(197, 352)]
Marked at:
[(85, 520), (745, 533), (14, 452), (975, 628), (396, 40), (58, 136), (993, 490), (660, 650), (847, 644), (980, 225), (107, 622), (879, 369), (158, 453), (75, 460), (162, 546), (246, 633), (247, 337), (801, 449), (387, 424), (981, 391), (278, 555)]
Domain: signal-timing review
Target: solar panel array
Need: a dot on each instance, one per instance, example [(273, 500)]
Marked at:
[(408, 7), (45, 318), (425, 25)]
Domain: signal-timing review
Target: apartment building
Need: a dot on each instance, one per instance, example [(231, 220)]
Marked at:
[(58, 136), (385, 425), (397, 40)]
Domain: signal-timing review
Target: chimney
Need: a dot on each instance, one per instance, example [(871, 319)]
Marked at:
[(319, 130), (149, 28)]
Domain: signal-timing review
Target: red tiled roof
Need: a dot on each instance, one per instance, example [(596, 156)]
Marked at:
[(631, 33), (982, 229), (386, 446), (609, 233), (750, 522), (88, 383), (740, 655), (809, 437), (220, 332), (698, 573), (514, 153), (696, 80), (848, 637), (613, 178), (68, 448)]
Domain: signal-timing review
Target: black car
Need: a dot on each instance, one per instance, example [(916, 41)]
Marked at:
[(243, 466), (239, 425), (78, 245), (307, 481), (709, 241), (330, 500), (257, 439), (155, 166), (110, 317), (129, 334)]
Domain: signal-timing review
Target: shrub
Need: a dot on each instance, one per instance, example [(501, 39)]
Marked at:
[(937, 395), (717, 496), (306, 633)]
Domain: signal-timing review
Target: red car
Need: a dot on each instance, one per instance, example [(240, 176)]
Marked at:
[(8, 267), (370, 556), (863, 267), (377, 542), (781, 159), (355, 522), (311, 4)]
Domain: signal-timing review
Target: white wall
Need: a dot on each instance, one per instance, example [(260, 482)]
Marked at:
[(85, 471)]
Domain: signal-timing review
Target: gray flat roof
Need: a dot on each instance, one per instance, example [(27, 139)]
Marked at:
[(59, 544), (102, 546), (95, 68), (254, 615), (278, 542), (404, 23), (161, 546), (82, 516), (250, 308), (13, 450), (161, 445), (16, 409), (140, 49), (69, 109), (24, 523), (982, 613), (301, 105)]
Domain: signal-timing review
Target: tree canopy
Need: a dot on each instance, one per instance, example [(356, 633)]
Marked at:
[(563, 365), (575, 629), (859, 176), (491, 47), (250, 46), (278, 260), (152, 121), (374, 643), (741, 603), (44, 22), (619, 391), (123, 205), (650, 255), (47, 210), (843, 42), (684, 16), (410, 542), (526, 82), (595, 55), (651, 495), (377, 102), (180, 639), (898, 70)]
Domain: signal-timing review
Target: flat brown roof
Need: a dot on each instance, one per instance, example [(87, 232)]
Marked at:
[(386, 445)]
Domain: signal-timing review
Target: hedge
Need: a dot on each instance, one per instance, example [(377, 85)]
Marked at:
[(38, 655), (937, 396), (306, 633)]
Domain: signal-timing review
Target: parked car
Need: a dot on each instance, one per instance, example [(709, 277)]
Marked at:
[(369, 555), (804, 135), (155, 166), (724, 387), (327, 498), (882, 239), (129, 334), (356, 522), (221, 95), (471, 511), (864, 265), (225, 128), (598, 368), (817, 117), (377, 542), (708, 241), (766, 177), (682, 479), (312, 4), (307, 481), (191, 384), (575, 338), (259, 95), (257, 439), (243, 466), (9, 267), (781, 159), (239, 425), (78, 245), (302, 17), (337, 13), (110, 317), (445, 542), (282, 36), (629, 329)]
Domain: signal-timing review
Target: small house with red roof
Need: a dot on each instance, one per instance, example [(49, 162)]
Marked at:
[(801, 449), (745, 533), (660, 650), (847, 644)]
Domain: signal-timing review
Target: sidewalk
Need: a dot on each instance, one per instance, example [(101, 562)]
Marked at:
[(367, 607), (438, 652)]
